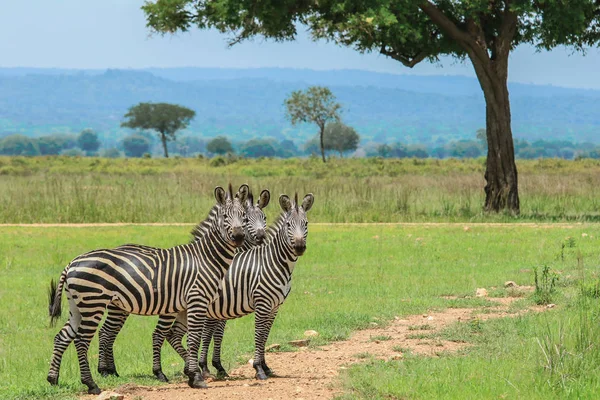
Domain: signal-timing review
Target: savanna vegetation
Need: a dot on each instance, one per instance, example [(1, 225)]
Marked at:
[(82, 189), (393, 270)]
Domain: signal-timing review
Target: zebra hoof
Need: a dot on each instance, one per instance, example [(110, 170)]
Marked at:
[(221, 375), (261, 376), (94, 390), (52, 379), (107, 372), (197, 382), (161, 376)]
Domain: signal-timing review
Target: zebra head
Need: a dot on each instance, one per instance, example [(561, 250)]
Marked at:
[(232, 214), (295, 220), (256, 221)]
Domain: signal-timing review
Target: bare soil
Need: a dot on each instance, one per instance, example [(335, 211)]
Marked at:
[(310, 373)]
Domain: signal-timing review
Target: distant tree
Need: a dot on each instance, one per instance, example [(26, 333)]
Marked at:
[(136, 145), (164, 118), (219, 145), (417, 151), (312, 146), (19, 145), (341, 138), (258, 148), (384, 150), (50, 145), (287, 148), (465, 149), (317, 105), (88, 141)]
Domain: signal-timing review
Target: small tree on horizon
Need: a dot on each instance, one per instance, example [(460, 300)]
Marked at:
[(136, 145), (164, 118), (317, 105), (341, 138), (219, 145), (88, 141)]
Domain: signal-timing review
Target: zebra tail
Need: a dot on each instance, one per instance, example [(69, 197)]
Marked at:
[(55, 297)]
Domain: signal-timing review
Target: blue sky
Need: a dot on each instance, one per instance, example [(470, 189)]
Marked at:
[(85, 34)]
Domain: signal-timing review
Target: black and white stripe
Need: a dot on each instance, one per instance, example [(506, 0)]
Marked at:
[(259, 280), (255, 233), (148, 281)]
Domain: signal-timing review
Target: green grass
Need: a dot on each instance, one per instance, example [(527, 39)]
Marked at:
[(348, 277), (71, 189)]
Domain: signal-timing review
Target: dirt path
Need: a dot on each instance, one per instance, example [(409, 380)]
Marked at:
[(311, 373)]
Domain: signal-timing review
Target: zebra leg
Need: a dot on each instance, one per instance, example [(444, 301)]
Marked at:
[(207, 334), (263, 322), (87, 329), (176, 333), (165, 323), (62, 340), (196, 315), (217, 341), (108, 334)]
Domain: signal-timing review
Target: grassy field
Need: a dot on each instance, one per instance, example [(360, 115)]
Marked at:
[(65, 189), (347, 277)]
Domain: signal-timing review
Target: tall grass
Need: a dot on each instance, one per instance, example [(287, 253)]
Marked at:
[(64, 189)]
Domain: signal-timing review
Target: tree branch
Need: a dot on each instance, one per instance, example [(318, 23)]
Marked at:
[(408, 61), (469, 42)]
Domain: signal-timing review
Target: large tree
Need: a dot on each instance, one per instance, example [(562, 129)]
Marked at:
[(411, 31), (164, 118), (317, 105)]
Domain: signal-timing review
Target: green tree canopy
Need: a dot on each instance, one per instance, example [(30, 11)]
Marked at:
[(259, 148), (54, 144), (164, 118), (88, 141), (136, 145), (410, 31), (341, 138), (315, 105), (219, 145), (18, 145)]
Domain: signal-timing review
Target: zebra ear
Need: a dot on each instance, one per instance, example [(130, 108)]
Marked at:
[(220, 195), (285, 203), (308, 201), (263, 200), (242, 193)]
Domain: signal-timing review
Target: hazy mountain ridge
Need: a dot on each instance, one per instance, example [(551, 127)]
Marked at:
[(249, 103)]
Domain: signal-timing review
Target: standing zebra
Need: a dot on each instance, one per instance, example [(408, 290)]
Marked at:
[(259, 280), (255, 233), (146, 281)]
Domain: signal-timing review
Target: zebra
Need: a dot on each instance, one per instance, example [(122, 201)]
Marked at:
[(259, 280), (255, 230), (147, 281)]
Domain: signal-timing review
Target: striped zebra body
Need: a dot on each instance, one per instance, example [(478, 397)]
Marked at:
[(254, 233), (147, 281), (259, 280)]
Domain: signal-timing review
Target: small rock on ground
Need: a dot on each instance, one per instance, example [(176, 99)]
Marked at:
[(110, 396)]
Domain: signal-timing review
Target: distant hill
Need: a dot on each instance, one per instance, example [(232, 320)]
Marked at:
[(248, 103)]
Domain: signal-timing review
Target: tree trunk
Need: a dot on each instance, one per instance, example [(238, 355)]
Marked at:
[(322, 134), (501, 189), (163, 139)]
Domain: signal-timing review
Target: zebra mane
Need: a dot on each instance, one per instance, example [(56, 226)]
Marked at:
[(275, 226), (204, 227)]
